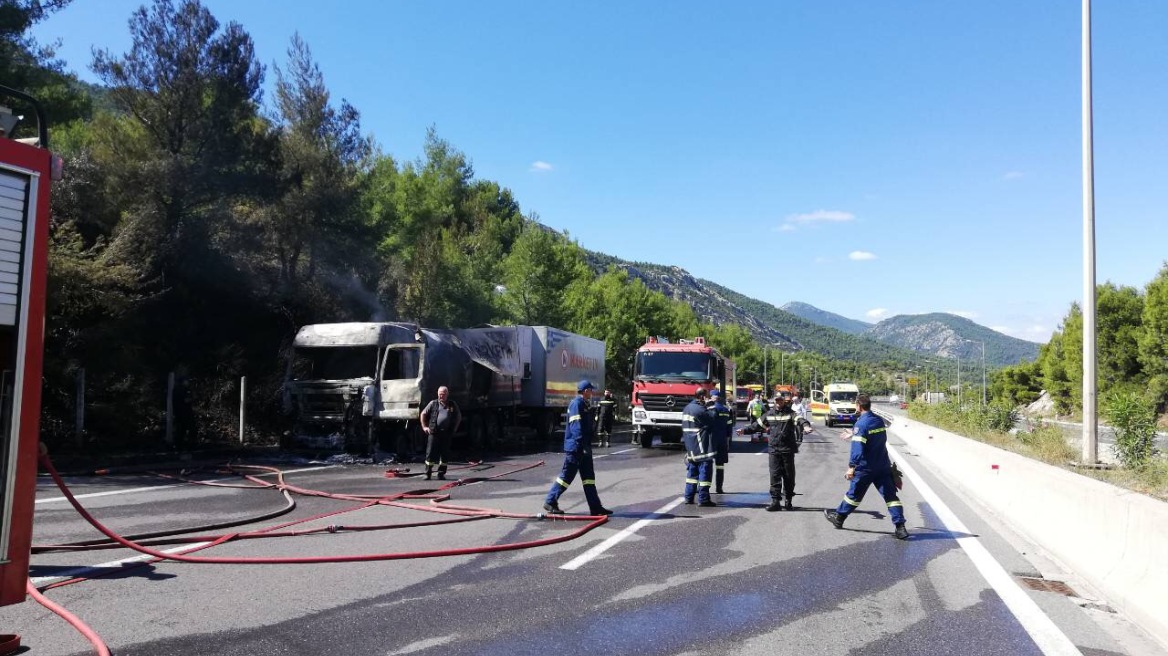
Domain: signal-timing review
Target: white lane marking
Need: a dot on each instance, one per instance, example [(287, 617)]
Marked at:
[(613, 453), (83, 571), (425, 644), (93, 495), (592, 553), (1049, 638)]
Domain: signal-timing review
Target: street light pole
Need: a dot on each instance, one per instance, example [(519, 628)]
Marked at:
[(1090, 427)]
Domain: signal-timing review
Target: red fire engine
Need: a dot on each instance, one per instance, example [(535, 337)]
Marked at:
[(26, 169), (665, 376)]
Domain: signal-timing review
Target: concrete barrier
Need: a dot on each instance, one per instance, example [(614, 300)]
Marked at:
[(1115, 539)]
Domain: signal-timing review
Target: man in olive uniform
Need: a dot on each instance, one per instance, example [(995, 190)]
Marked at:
[(781, 431), (605, 412)]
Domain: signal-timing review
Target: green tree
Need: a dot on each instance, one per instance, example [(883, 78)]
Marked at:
[(321, 151), (540, 267), (192, 93), (28, 66), (1117, 336), (620, 311), (1153, 340)]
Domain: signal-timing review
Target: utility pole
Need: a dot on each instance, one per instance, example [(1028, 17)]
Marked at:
[(1090, 425)]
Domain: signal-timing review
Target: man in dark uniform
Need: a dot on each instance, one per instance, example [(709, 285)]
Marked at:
[(723, 430), (697, 431), (869, 464), (577, 455), (782, 436), (605, 412), (440, 420)]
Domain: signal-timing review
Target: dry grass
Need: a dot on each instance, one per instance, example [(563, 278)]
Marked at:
[(1048, 444)]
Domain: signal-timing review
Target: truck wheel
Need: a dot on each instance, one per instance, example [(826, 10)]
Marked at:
[(646, 440), (827, 422)]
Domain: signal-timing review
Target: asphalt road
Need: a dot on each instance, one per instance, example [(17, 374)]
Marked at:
[(657, 578)]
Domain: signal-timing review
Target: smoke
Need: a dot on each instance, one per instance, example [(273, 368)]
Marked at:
[(354, 291)]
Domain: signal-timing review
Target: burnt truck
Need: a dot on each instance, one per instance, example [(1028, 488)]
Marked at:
[(360, 386)]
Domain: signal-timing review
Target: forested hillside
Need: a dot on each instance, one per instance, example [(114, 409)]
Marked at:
[(825, 318)]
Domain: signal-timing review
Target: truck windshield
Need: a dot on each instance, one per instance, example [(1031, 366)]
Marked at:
[(844, 396), (673, 364), (334, 363)]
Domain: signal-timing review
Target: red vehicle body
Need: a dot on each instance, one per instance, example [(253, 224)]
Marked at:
[(26, 168), (664, 378)]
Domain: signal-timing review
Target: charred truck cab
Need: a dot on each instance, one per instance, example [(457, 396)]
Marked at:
[(664, 378), (356, 385)]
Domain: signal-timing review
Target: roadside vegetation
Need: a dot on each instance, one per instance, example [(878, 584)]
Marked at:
[(1140, 469)]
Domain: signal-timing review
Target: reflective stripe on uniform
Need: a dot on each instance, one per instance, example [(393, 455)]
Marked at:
[(857, 438), (589, 481), (573, 418), (690, 481), (848, 500), (719, 466), (690, 430), (894, 503), (561, 482), (876, 430), (704, 484)]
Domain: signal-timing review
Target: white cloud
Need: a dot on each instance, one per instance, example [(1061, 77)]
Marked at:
[(540, 166), (963, 313), (1014, 175), (861, 255), (786, 227), (876, 313), (820, 216)]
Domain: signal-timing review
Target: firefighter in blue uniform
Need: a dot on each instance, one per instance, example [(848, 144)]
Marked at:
[(577, 455), (723, 429), (869, 464), (697, 431)]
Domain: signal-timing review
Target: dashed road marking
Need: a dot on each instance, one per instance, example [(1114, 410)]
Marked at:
[(611, 542)]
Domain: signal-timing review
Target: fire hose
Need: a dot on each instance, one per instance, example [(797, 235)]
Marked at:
[(142, 543)]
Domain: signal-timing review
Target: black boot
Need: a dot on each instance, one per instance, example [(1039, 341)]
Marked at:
[(429, 472), (789, 506), (776, 504), (901, 532), (836, 519)]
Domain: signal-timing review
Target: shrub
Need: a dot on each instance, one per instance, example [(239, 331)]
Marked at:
[(1134, 421), (1000, 417)]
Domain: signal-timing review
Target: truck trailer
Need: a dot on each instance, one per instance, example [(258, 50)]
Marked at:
[(358, 385)]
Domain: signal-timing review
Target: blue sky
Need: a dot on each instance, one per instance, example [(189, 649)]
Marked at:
[(870, 158)]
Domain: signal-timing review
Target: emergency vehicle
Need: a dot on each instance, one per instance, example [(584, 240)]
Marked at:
[(743, 395), (26, 169), (837, 402), (664, 378)]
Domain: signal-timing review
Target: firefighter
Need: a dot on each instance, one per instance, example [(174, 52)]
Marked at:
[(781, 430), (869, 464), (605, 410), (723, 430), (697, 431), (755, 410), (577, 455)]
